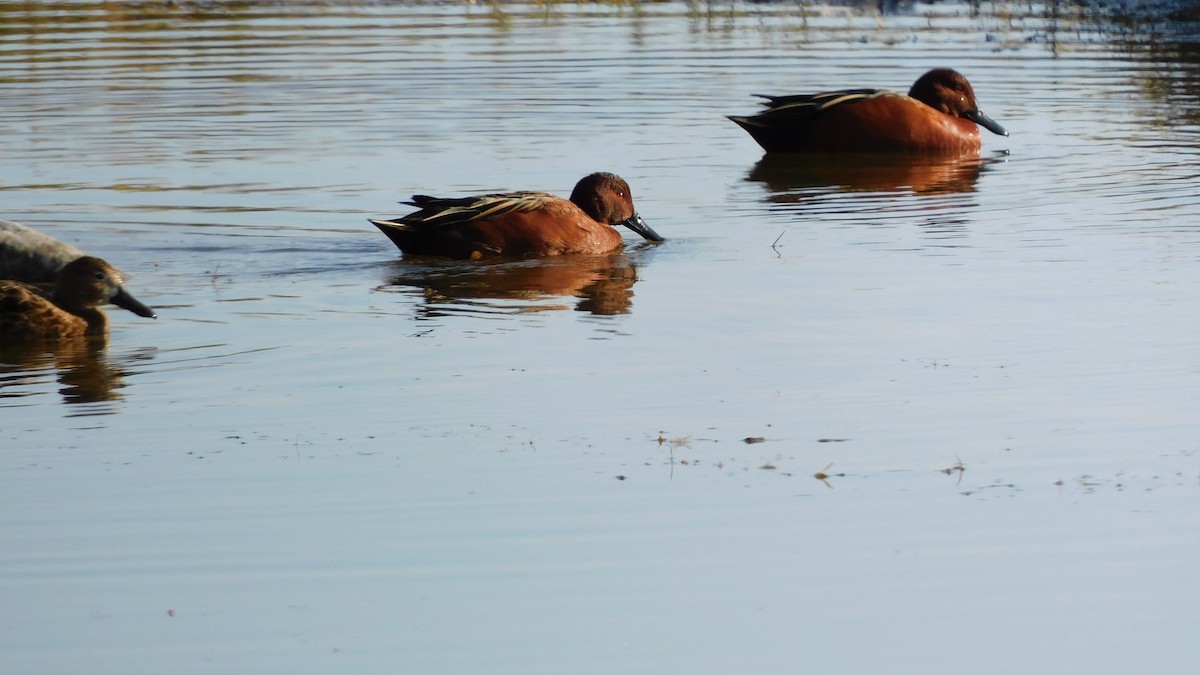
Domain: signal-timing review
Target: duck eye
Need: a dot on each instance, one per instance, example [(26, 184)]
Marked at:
[(100, 276)]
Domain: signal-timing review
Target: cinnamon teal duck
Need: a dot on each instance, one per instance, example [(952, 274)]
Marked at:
[(520, 223), (938, 115)]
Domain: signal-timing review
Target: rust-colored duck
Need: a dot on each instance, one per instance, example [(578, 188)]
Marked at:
[(520, 223), (939, 115)]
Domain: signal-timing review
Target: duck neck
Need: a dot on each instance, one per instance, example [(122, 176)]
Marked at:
[(97, 320)]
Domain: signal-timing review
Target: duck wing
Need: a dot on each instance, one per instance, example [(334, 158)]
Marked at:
[(447, 212), (29, 255), (811, 104)]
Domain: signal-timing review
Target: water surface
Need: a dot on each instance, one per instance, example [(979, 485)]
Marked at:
[(325, 457)]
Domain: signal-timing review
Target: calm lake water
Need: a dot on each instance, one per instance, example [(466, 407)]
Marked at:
[(975, 382)]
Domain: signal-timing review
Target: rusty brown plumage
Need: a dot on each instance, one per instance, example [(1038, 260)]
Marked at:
[(938, 115), (520, 223)]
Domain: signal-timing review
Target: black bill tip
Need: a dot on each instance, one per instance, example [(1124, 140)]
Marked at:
[(638, 225), (126, 301), (986, 122)]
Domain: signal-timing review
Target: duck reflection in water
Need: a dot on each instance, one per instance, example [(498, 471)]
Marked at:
[(81, 364), (850, 172), (599, 284)]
